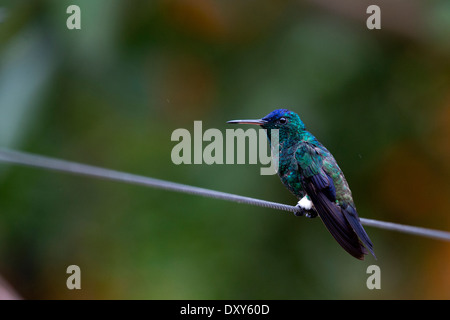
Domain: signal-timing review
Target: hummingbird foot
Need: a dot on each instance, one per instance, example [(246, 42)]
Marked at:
[(312, 213), (306, 208)]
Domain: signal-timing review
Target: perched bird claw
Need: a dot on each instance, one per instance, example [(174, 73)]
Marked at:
[(299, 212), (311, 213)]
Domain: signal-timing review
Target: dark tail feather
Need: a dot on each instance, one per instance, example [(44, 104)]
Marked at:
[(338, 226), (352, 217), (335, 221)]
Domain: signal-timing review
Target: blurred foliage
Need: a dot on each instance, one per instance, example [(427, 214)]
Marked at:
[(112, 93)]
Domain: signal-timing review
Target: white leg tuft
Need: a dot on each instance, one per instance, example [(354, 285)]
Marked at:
[(305, 203)]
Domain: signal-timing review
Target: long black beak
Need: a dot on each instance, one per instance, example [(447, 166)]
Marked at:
[(257, 122)]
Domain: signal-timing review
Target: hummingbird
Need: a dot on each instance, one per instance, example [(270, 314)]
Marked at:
[(309, 171)]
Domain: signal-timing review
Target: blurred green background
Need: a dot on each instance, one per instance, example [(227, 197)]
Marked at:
[(112, 93)]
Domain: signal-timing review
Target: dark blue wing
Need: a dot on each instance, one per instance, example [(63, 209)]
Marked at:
[(320, 188)]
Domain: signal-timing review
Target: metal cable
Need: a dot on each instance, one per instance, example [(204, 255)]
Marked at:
[(27, 159)]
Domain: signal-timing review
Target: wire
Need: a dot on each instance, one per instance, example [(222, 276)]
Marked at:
[(38, 161)]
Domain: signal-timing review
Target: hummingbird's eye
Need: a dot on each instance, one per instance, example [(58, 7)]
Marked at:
[(282, 120)]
